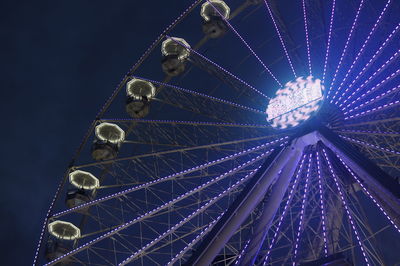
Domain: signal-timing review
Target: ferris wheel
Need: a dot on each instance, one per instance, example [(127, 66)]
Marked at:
[(251, 132)]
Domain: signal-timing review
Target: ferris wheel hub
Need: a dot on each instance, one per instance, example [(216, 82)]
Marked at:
[(295, 103)]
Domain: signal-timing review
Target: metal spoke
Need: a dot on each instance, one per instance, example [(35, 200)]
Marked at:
[(246, 44), (307, 38), (280, 38), (172, 229), (152, 212), (329, 41), (346, 207), (371, 77), (203, 57), (373, 58), (302, 212), (166, 178), (345, 48), (358, 56)]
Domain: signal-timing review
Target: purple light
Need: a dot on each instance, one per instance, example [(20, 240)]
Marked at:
[(195, 240), (45, 222), (157, 209), (105, 106), (166, 178), (144, 55), (280, 38), (375, 109), (368, 132), (307, 37), (218, 66), (203, 95), (163, 34), (345, 46), (322, 205), (198, 123), (186, 219), (372, 59), (370, 145), (346, 208), (390, 60), (362, 49), (241, 253), (291, 193), (369, 194), (388, 78), (329, 41), (383, 94), (303, 206), (245, 43)]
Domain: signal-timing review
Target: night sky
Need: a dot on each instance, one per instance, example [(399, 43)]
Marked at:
[(60, 60)]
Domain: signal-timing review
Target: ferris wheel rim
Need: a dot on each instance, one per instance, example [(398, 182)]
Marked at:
[(125, 79)]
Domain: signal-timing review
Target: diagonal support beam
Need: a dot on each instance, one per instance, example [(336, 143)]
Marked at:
[(235, 215), (250, 197), (382, 186), (279, 167), (270, 208)]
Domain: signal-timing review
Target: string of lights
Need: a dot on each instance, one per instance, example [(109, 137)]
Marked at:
[(371, 77), (346, 207), (372, 59), (189, 217), (219, 67), (358, 56), (353, 26), (285, 209), (166, 178), (321, 201), (246, 44), (369, 194), (280, 38), (302, 212), (328, 46), (374, 88), (204, 95), (159, 208)]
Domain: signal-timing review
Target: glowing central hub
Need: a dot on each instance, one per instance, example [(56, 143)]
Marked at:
[(296, 102)]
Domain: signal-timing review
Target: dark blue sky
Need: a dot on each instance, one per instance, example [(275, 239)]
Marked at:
[(60, 60)]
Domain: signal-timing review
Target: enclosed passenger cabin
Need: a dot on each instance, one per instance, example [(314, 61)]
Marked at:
[(77, 197), (214, 13), (83, 180), (64, 230), (175, 51), (108, 141), (56, 249), (139, 93)]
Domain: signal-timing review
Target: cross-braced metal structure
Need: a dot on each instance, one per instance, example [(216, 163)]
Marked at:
[(184, 168)]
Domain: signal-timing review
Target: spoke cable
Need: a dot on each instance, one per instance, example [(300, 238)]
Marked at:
[(246, 44), (346, 207)]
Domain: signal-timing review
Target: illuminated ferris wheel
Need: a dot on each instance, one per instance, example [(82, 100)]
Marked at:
[(267, 135)]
